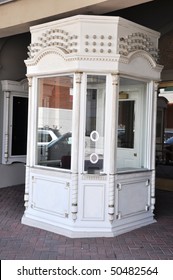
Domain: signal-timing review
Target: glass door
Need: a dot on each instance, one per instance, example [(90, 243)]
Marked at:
[(131, 130), (95, 124)]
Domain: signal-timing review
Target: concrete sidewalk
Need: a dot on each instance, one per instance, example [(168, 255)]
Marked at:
[(19, 241)]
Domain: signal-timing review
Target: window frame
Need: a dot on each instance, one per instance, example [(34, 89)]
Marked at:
[(34, 133)]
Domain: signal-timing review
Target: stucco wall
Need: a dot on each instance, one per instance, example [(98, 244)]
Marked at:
[(13, 51), (12, 174)]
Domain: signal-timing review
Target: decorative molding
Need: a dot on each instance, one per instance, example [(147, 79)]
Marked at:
[(67, 57), (44, 52), (74, 188), (97, 58), (78, 77), (26, 195), (156, 86), (117, 58), (152, 192), (137, 41), (6, 125), (111, 206), (115, 79), (54, 38), (143, 54), (95, 177), (102, 44), (24, 83), (93, 47), (29, 81)]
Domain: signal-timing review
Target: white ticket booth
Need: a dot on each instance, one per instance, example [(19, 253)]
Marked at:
[(91, 133)]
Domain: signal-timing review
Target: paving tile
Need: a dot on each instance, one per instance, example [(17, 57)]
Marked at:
[(19, 241)]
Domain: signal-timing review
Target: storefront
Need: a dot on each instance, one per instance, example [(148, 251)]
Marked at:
[(93, 87)]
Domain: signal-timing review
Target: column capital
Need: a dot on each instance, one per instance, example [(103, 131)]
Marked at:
[(115, 78), (78, 76), (156, 85), (29, 81)]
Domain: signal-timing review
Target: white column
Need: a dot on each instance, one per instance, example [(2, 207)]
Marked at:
[(75, 144), (154, 114), (6, 127), (113, 144), (27, 172), (26, 195), (153, 144)]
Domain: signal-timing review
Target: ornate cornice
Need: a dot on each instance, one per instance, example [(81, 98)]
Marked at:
[(111, 59), (95, 48), (66, 57)]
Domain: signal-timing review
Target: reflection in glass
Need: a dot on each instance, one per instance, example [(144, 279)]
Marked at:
[(55, 103), (164, 145), (132, 124), (126, 124), (94, 128)]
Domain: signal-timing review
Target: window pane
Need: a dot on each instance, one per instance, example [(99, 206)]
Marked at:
[(55, 103), (132, 129), (94, 128), (126, 124), (19, 127)]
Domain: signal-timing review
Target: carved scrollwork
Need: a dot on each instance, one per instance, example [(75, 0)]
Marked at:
[(74, 186)]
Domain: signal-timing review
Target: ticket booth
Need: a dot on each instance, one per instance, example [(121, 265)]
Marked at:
[(92, 98)]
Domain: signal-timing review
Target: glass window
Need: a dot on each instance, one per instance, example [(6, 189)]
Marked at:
[(131, 125), (19, 125), (54, 125), (164, 148), (95, 123), (126, 124)]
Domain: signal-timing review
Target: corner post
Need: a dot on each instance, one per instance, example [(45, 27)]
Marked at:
[(75, 144), (113, 145)]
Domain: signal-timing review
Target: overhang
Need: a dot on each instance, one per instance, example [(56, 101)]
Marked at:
[(18, 15)]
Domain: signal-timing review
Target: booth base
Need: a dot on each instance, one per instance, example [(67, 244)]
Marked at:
[(83, 232)]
